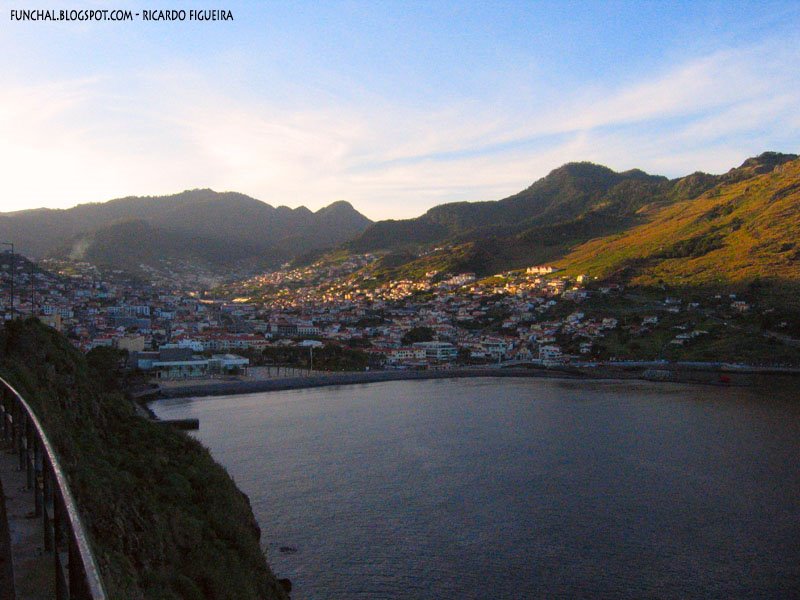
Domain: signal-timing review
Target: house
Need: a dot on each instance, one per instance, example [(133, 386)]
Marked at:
[(608, 323), (283, 328), (540, 270), (459, 280), (396, 355), (522, 353), (495, 348), (551, 355), (53, 320), (740, 306), (438, 351), (310, 344)]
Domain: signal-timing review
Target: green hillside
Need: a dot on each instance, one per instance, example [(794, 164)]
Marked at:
[(129, 244), (735, 233), (566, 194), (219, 229), (166, 521), (575, 203)]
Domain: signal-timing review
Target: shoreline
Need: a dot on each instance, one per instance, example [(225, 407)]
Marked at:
[(225, 388), (703, 374)]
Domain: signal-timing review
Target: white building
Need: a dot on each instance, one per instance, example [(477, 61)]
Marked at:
[(403, 354), (308, 329), (495, 348), (438, 351), (551, 355), (540, 270)]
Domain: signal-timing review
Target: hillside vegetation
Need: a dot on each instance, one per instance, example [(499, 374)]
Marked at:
[(567, 194), (218, 229), (573, 204), (734, 233), (165, 520), (128, 244)]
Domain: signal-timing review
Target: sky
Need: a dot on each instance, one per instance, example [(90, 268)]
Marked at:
[(393, 106)]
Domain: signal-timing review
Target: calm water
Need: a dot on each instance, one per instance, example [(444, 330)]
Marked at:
[(523, 488)]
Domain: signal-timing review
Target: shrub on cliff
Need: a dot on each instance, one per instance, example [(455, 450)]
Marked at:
[(165, 520)]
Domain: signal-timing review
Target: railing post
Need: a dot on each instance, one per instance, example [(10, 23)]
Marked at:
[(4, 413), (8, 417), (74, 570), (30, 451), (38, 490), (19, 430), (62, 589), (58, 517), (14, 420), (47, 507)]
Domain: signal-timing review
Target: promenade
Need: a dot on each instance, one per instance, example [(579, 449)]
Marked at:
[(25, 567), (188, 388), (692, 373)]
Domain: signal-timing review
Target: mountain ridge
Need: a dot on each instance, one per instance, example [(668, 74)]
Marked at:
[(232, 222), (573, 204), (743, 229)]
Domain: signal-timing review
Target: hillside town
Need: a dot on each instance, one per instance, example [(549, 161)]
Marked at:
[(530, 316)]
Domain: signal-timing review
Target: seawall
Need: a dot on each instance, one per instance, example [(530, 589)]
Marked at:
[(225, 388), (692, 373)]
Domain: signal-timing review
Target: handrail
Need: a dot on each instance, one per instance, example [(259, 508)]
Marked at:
[(77, 577)]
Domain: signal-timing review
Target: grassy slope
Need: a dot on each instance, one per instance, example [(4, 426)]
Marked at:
[(165, 520), (730, 336), (732, 234), (572, 205)]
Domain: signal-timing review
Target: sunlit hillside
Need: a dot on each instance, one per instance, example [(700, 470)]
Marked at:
[(733, 233)]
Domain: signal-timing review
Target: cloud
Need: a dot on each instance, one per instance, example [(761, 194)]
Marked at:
[(176, 127), (717, 94)]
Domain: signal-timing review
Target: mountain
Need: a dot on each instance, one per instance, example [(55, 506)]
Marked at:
[(120, 245), (219, 229), (553, 218), (570, 206), (744, 229), (574, 203), (567, 193)]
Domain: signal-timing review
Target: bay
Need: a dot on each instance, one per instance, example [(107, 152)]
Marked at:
[(518, 488)]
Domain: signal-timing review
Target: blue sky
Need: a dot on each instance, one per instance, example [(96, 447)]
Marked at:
[(394, 106)]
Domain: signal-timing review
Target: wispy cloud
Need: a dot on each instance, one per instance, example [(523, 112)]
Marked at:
[(165, 130)]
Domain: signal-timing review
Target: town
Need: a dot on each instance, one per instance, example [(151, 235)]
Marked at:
[(533, 316)]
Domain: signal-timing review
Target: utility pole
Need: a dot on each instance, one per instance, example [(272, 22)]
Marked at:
[(12, 275)]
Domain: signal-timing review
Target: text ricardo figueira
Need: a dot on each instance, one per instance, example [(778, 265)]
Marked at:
[(120, 15)]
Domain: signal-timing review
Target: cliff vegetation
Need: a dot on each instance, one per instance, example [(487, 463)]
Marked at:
[(164, 519)]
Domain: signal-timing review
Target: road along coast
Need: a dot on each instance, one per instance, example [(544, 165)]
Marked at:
[(695, 373)]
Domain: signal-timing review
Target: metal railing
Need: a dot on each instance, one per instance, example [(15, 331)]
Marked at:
[(76, 574)]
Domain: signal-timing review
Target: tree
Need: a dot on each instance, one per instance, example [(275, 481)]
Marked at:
[(107, 365), (417, 334)]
